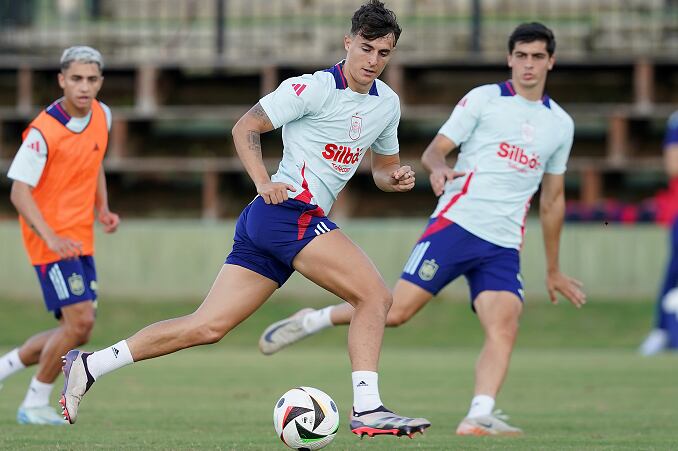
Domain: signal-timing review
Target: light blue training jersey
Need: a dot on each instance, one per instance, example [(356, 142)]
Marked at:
[(327, 128), (506, 144)]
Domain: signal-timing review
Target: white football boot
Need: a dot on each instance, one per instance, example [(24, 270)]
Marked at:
[(284, 333), (77, 380), (492, 424), (43, 415)]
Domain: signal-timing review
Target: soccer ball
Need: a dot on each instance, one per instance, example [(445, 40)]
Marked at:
[(306, 418)]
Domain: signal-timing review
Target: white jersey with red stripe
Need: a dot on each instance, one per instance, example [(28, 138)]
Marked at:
[(327, 128), (507, 143)]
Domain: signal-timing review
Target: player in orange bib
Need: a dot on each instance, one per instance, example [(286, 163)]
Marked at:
[(58, 186)]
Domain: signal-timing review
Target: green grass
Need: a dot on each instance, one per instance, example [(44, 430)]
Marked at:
[(575, 383)]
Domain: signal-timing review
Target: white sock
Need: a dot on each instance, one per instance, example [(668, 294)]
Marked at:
[(365, 390), (10, 363), (480, 405), (317, 320), (109, 359), (38, 394)]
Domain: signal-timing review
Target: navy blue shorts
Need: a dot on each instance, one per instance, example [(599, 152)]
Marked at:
[(446, 251), (268, 237), (67, 282)]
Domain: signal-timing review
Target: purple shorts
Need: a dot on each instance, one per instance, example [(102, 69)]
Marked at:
[(268, 237), (67, 282), (446, 251)]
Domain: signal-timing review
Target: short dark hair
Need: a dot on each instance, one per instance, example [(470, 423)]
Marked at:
[(373, 20), (530, 32)]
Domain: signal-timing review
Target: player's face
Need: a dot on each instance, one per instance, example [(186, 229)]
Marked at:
[(81, 83), (366, 60), (530, 63)]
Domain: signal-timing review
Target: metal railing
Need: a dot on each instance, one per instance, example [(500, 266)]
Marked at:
[(300, 31)]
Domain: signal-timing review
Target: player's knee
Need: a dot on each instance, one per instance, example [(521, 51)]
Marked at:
[(505, 332), (397, 317), (378, 299), (80, 328)]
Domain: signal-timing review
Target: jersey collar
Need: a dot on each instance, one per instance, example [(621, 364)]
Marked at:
[(340, 79), (58, 112), (507, 90)]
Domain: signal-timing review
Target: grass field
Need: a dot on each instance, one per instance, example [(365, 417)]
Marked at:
[(575, 382)]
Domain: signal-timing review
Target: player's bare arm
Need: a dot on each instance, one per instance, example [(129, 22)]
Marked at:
[(671, 160), (552, 214), (22, 199), (107, 218), (247, 138), (389, 176), (434, 161)]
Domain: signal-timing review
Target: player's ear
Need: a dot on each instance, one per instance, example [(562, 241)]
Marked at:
[(509, 60), (347, 42), (62, 80)]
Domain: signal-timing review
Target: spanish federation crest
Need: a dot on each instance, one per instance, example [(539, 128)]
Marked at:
[(356, 127), (428, 269), (76, 284)]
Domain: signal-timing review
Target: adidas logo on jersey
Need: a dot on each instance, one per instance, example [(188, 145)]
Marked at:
[(115, 352), (298, 88), (35, 146)]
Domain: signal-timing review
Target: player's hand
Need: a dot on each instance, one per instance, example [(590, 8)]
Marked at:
[(64, 247), (441, 176), (567, 286), (109, 220), (402, 179), (274, 192)]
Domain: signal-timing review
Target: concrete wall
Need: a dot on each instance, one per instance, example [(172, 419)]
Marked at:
[(158, 260)]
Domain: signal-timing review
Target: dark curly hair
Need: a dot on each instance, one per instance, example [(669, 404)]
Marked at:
[(373, 20)]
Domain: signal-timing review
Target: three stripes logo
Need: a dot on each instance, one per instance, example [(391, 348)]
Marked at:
[(115, 352), (58, 282), (298, 88), (35, 146), (321, 228), (416, 256)]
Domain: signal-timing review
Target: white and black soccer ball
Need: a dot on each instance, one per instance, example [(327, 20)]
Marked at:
[(306, 418)]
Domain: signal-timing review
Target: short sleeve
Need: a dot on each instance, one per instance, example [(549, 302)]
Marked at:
[(294, 98), (466, 114), (108, 114), (30, 159), (387, 142), (557, 164)]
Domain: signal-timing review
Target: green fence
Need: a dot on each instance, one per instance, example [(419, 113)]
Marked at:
[(156, 260)]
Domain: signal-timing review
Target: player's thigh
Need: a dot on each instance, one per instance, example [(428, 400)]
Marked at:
[(408, 299), (337, 264), (498, 309), (236, 293)]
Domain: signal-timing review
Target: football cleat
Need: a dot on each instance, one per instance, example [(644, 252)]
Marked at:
[(382, 421), (492, 424), (77, 380), (44, 415), (284, 333)]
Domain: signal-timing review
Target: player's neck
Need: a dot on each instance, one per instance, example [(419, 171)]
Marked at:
[(72, 110), (534, 93), (354, 85)]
